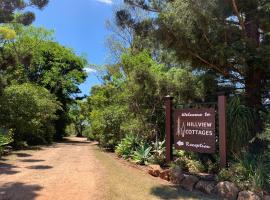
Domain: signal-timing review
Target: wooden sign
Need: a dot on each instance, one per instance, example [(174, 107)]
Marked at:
[(194, 130)]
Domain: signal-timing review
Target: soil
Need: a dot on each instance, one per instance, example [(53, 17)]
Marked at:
[(78, 170), (60, 172)]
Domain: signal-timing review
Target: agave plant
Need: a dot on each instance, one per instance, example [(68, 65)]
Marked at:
[(142, 154)]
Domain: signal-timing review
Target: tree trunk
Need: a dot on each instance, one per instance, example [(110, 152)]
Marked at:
[(254, 73), (254, 89)]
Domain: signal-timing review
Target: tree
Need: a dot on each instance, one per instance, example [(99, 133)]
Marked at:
[(34, 57), (29, 110), (230, 37), (14, 11), (78, 114)]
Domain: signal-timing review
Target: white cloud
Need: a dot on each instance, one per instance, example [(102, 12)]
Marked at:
[(109, 2), (89, 70)]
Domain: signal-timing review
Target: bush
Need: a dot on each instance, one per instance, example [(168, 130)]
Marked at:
[(249, 171), (158, 153), (240, 125), (189, 162), (127, 146), (106, 125), (5, 139), (30, 111)]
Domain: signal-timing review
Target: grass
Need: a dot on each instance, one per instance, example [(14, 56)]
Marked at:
[(127, 183)]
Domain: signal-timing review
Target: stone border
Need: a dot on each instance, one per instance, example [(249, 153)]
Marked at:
[(205, 183)]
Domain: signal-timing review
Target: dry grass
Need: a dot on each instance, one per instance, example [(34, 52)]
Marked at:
[(127, 183)]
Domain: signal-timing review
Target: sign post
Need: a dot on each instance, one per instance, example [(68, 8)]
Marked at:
[(168, 111), (195, 130), (222, 129)]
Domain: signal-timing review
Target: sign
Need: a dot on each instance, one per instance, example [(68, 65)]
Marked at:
[(195, 130)]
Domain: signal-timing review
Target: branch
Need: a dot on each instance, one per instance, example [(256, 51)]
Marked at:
[(144, 7), (235, 8)]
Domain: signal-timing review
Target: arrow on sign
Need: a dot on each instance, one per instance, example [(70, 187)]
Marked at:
[(180, 143)]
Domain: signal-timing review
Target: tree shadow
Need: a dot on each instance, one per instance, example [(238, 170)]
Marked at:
[(7, 169), (23, 155), (31, 160), (167, 192), (18, 191), (74, 142), (40, 167)]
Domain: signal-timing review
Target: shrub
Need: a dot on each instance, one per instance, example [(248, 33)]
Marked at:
[(30, 111), (158, 152), (240, 124), (127, 146), (189, 162), (5, 139), (142, 154), (106, 125), (249, 171)]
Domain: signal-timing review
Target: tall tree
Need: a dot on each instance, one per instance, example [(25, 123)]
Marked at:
[(34, 57), (231, 37), (14, 10)]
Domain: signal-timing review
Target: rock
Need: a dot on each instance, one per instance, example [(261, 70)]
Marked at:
[(207, 177), (188, 182), (165, 174), (248, 195), (176, 175), (227, 190), (266, 197), (154, 170), (205, 186)]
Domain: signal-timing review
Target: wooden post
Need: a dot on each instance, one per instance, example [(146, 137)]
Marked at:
[(168, 111), (222, 129)]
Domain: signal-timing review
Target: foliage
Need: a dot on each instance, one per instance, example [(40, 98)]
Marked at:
[(29, 110), (189, 161), (211, 35), (78, 116), (35, 57), (5, 139), (14, 11), (249, 171), (142, 154), (240, 124), (127, 146), (158, 152), (7, 33)]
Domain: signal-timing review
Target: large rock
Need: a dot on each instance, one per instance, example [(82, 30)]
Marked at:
[(207, 177), (154, 170), (176, 175), (248, 195), (165, 174), (205, 186), (188, 182), (227, 190)]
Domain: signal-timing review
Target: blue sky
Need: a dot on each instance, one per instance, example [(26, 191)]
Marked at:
[(79, 24)]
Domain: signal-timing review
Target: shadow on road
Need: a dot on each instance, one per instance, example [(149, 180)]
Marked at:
[(75, 142), (7, 169), (19, 191), (173, 192), (41, 167), (31, 160), (23, 155)]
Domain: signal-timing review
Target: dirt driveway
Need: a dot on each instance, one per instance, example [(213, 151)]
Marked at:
[(77, 170)]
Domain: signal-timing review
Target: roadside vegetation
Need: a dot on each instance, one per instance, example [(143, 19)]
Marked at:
[(39, 79), (191, 51)]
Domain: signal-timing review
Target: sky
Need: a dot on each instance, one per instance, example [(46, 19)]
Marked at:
[(80, 25)]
